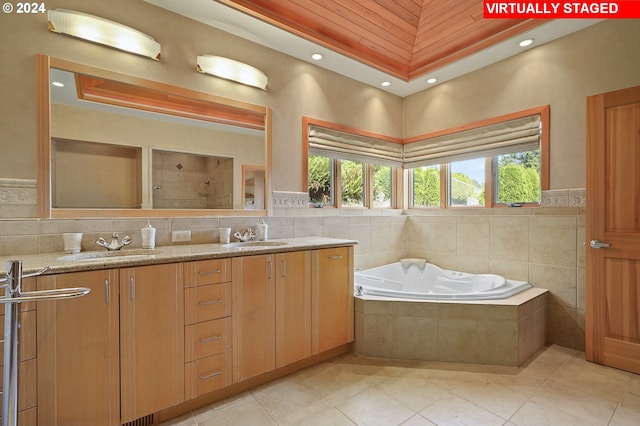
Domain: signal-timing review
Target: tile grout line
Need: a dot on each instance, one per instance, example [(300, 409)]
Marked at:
[(613, 415), (547, 380)]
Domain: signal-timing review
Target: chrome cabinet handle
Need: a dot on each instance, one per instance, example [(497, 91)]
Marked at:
[(217, 271), (210, 302), (334, 257), (210, 339), (210, 375), (284, 268), (269, 269), (596, 244), (106, 291), (132, 288)]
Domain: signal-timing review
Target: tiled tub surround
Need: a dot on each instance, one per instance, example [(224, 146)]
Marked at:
[(500, 332)]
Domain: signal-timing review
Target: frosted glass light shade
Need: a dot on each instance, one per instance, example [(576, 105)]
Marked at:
[(232, 70), (103, 31)]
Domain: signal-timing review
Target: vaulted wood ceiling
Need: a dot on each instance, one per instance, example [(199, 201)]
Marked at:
[(405, 38)]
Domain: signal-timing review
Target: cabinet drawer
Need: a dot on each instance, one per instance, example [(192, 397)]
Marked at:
[(207, 302), (207, 375), (207, 338), (203, 272)]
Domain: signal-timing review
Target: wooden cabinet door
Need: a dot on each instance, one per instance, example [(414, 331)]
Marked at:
[(151, 339), (78, 357), (253, 316), (293, 307), (332, 298)]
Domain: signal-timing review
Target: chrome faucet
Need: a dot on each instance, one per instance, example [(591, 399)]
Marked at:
[(115, 244), (246, 235)]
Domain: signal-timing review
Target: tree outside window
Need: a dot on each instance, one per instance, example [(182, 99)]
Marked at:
[(352, 179), (426, 186), (381, 186), (518, 178), (320, 179)]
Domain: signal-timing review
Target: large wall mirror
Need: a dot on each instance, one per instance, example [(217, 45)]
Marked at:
[(116, 145)]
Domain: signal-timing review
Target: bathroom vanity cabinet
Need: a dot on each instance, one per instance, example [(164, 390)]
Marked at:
[(333, 305), (271, 312), (118, 349), (157, 339), (208, 332)]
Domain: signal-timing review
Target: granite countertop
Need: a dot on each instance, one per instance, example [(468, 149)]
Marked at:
[(165, 254)]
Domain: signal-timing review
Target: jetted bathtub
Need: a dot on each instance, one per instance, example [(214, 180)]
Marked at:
[(417, 279)]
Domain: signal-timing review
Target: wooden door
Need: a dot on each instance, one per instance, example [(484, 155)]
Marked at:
[(253, 317), (613, 218), (332, 298), (293, 307), (78, 352), (151, 339)]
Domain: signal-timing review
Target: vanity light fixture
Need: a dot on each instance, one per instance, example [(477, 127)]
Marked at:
[(317, 56), (103, 31), (232, 70), (525, 42)]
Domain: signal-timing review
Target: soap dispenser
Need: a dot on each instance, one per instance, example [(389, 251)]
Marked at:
[(262, 230), (148, 236)]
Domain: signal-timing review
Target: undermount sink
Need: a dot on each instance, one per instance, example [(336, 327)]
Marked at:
[(109, 255)]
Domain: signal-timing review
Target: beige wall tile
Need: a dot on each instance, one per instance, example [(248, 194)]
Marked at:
[(560, 281), (509, 238), (552, 240), (473, 236)]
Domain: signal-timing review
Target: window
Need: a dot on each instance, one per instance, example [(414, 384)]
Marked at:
[(382, 185), (518, 178), (352, 183), (426, 186), (320, 179), (350, 168), (501, 163), (466, 183)]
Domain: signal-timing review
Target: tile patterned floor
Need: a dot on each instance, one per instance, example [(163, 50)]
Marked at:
[(557, 387)]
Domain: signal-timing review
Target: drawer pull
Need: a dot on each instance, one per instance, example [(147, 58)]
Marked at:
[(210, 339), (335, 257), (211, 302), (217, 271), (210, 375)]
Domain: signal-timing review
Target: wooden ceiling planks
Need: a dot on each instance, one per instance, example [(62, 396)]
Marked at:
[(405, 38)]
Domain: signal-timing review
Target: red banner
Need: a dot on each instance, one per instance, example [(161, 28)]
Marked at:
[(561, 9)]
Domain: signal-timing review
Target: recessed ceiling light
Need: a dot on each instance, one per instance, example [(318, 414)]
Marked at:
[(385, 83), (316, 56), (57, 84), (526, 42), (432, 80)]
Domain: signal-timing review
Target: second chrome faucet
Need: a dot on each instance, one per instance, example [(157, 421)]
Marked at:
[(115, 244)]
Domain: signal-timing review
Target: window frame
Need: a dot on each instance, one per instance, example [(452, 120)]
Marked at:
[(491, 171), (396, 172), (402, 178)]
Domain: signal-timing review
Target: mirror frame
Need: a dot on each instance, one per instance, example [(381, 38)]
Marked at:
[(44, 64)]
